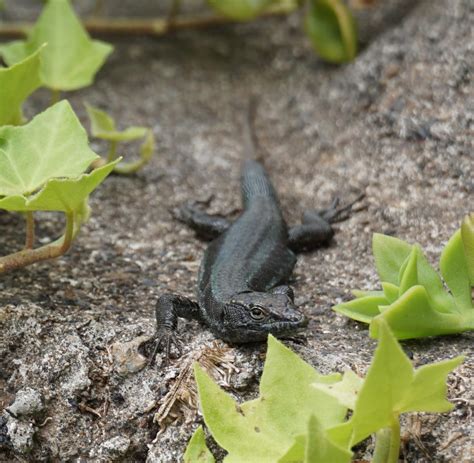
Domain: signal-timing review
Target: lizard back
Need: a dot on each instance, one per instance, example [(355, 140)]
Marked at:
[(252, 254)]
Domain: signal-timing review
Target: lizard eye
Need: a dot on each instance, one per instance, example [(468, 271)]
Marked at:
[(257, 313)]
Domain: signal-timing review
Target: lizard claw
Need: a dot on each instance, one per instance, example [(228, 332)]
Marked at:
[(166, 339), (334, 214)]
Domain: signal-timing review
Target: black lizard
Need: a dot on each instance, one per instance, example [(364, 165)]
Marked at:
[(242, 296)]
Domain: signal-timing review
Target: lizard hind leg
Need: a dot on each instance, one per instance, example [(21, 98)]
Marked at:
[(333, 213), (316, 229)]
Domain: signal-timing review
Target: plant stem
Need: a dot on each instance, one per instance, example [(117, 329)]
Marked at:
[(112, 154), (55, 96), (173, 13), (49, 251), (30, 230), (382, 445), (153, 26), (394, 449)]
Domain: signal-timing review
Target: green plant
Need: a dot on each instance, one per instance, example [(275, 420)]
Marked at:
[(103, 127), (329, 24), (413, 300), (300, 415), (71, 59), (43, 168), (16, 84)]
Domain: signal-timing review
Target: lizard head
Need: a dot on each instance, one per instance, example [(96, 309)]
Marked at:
[(252, 315)]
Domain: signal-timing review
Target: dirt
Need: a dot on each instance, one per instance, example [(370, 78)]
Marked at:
[(397, 123)]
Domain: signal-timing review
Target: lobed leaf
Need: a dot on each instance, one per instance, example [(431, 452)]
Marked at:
[(321, 449), (392, 387), (345, 391), (60, 194), (103, 126), (53, 145), (390, 253), (71, 59), (16, 84), (265, 429), (197, 451), (332, 30)]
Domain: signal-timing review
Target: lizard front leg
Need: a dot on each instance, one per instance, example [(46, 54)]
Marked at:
[(286, 290), (205, 225), (168, 309)]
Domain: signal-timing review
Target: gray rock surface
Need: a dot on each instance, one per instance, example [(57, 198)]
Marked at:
[(396, 123)]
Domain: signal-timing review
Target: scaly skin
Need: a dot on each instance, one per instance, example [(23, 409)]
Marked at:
[(241, 296)]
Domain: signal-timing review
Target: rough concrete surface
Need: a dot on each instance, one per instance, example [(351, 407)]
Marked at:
[(396, 123)]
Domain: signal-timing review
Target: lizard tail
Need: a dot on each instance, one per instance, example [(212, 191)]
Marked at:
[(254, 178)]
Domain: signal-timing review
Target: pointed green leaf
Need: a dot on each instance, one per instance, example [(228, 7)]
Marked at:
[(197, 451), (412, 316), (390, 291), (428, 390), (242, 10), (363, 309), (103, 126), (418, 271), (60, 194), (359, 293), (332, 30), (321, 449), (53, 144), (409, 277), (345, 391), (467, 234), (16, 84), (265, 429), (455, 270), (71, 59), (390, 254)]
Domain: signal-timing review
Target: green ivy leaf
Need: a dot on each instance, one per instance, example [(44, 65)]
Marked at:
[(363, 309), (412, 316), (331, 29), (71, 59), (16, 84), (241, 10), (295, 453), (197, 451), (52, 145), (265, 429), (389, 253), (392, 387), (345, 391), (103, 126), (321, 449), (60, 194)]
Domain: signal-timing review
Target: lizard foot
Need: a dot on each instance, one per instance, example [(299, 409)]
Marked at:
[(334, 214), (166, 339)]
